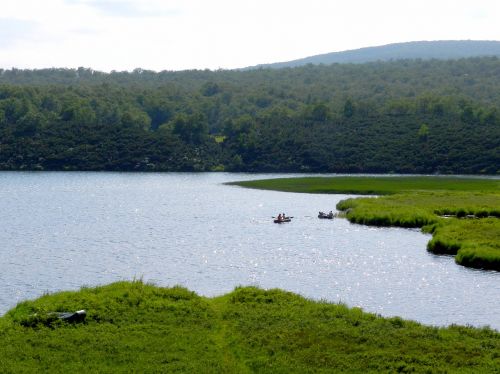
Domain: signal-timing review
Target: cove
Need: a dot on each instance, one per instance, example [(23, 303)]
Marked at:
[(64, 230)]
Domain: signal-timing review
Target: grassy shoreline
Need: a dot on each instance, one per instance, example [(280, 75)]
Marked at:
[(373, 185), (137, 327), (470, 231)]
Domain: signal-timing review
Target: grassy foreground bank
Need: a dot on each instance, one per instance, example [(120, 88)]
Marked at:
[(136, 327), (463, 214)]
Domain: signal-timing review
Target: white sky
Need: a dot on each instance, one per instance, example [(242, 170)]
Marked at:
[(196, 34)]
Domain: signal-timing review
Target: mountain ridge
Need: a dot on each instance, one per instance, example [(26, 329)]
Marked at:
[(440, 49)]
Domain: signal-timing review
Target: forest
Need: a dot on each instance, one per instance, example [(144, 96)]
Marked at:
[(406, 116)]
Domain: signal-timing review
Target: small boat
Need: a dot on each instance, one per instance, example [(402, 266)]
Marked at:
[(78, 316), (283, 220), (323, 215)]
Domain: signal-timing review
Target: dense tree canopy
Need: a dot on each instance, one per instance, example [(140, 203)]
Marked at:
[(406, 116)]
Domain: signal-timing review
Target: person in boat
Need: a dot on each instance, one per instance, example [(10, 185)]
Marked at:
[(283, 215), (330, 214), (280, 217)]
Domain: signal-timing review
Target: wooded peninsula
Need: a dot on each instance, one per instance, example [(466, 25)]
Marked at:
[(409, 116)]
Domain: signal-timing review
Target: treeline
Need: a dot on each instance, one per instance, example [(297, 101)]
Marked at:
[(403, 116)]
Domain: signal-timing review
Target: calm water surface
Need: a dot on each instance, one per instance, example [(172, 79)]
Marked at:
[(59, 231)]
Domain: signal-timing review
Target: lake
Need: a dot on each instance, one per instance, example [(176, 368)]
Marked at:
[(63, 230)]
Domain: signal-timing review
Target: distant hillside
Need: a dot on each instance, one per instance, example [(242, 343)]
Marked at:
[(407, 116), (441, 50)]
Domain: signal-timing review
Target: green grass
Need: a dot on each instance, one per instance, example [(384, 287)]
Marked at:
[(475, 242), (373, 185), (419, 202), (137, 327)]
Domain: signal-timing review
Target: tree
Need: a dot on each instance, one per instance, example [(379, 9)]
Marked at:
[(191, 129), (136, 118), (210, 89), (319, 113), (2, 117), (423, 132), (348, 109), (78, 113), (28, 124)]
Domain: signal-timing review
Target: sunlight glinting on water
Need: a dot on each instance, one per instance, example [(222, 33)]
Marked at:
[(61, 231)]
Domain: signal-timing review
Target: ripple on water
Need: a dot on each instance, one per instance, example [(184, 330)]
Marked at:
[(64, 230)]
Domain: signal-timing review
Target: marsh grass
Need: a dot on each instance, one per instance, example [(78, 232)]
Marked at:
[(136, 327), (373, 185), (471, 229), (130, 327), (475, 240)]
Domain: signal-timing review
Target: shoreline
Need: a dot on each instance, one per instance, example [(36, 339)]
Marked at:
[(142, 327), (417, 202)]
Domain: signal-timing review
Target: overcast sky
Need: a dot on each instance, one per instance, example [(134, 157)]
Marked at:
[(197, 34)]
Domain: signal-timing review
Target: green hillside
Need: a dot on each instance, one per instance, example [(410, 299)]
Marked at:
[(409, 116)]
